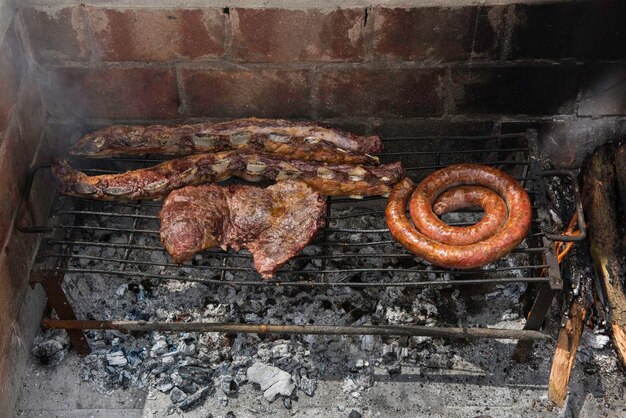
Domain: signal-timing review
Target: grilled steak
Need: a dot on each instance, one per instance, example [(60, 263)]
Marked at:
[(301, 140), (157, 181), (272, 223)]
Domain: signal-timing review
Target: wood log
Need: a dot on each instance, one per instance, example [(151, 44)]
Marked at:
[(620, 178), (600, 204), (565, 352)]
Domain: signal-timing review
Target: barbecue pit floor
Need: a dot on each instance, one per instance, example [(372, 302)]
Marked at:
[(477, 385)]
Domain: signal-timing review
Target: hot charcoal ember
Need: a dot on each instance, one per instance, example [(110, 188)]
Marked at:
[(274, 223), (157, 181), (301, 140)]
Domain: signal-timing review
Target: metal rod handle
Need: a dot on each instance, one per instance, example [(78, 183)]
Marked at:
[(408, 330), (19, 224)]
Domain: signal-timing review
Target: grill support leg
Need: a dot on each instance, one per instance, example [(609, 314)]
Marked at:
[(60, 303), (535, 320)]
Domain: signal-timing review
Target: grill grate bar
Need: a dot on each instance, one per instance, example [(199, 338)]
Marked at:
[(370, 212), (84, 225), (334, 256), (328, 229), (320, 243)]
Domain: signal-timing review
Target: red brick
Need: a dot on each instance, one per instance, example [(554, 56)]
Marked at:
[(381, 92), (157, 34), (37, 205), (111, 92), (15, 260), (30, 113), (263, 93), (438, 33), (9, 82), (55, 33), (14, 163), (271, 35)]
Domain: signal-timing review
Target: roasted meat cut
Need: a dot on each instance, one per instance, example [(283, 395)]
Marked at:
[(300, 140), (273, 223), (157, 181)]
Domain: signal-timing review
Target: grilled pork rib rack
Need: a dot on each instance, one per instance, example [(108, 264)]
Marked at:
[(157, 181), (299, 140)]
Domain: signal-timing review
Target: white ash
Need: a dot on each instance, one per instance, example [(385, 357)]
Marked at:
[(272, 380), (191, 367), (50, 347)]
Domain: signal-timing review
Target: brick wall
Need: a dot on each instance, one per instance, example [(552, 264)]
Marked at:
[(558, 67), (21, 126)]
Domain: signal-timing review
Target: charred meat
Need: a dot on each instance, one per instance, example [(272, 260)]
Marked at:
[(299, 140), (273, 223), (157, 181)]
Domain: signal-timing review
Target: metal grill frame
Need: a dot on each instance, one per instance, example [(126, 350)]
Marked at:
[(56, 252)]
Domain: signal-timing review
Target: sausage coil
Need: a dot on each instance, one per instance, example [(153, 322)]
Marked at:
[(507, 219)]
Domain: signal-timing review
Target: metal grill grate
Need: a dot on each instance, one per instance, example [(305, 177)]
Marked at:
[(361, 254), (354, 249)]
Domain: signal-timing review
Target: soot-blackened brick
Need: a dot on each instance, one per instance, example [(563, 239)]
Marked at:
[(275, 35), (381, 92), (30, 112), (241, 93), (157, 34), (56, 34), (437, 33), (586, 30), (431, 127), (12, 69), (516, 90), (604, 90), (9, 85), (111, 92), (14, 161)]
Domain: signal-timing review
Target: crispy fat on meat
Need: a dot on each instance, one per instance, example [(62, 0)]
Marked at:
[(300, 140), (273, 223), (157, 181)]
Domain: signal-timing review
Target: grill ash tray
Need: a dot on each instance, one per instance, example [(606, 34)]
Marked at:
[(355, 249)]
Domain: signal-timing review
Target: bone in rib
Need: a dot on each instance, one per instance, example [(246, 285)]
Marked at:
[(157, 181), (300, 140), (274, 223)]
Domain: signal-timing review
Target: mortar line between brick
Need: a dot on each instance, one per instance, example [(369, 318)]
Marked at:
[(231, 65), (279, 4), (448, 102), (22, 33), (368, 34), (579, 94), (228, 36), (93, 56), (314, 98), (507, 35), (183, 107), (364, 120)]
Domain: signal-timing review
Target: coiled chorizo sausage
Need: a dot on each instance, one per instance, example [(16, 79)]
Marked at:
[(507, 220)]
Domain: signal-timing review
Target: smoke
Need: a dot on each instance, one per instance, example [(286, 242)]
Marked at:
[(567, 143)]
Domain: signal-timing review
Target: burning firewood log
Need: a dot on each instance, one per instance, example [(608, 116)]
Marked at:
[(600, 202), (604, 196), (620, 178)]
